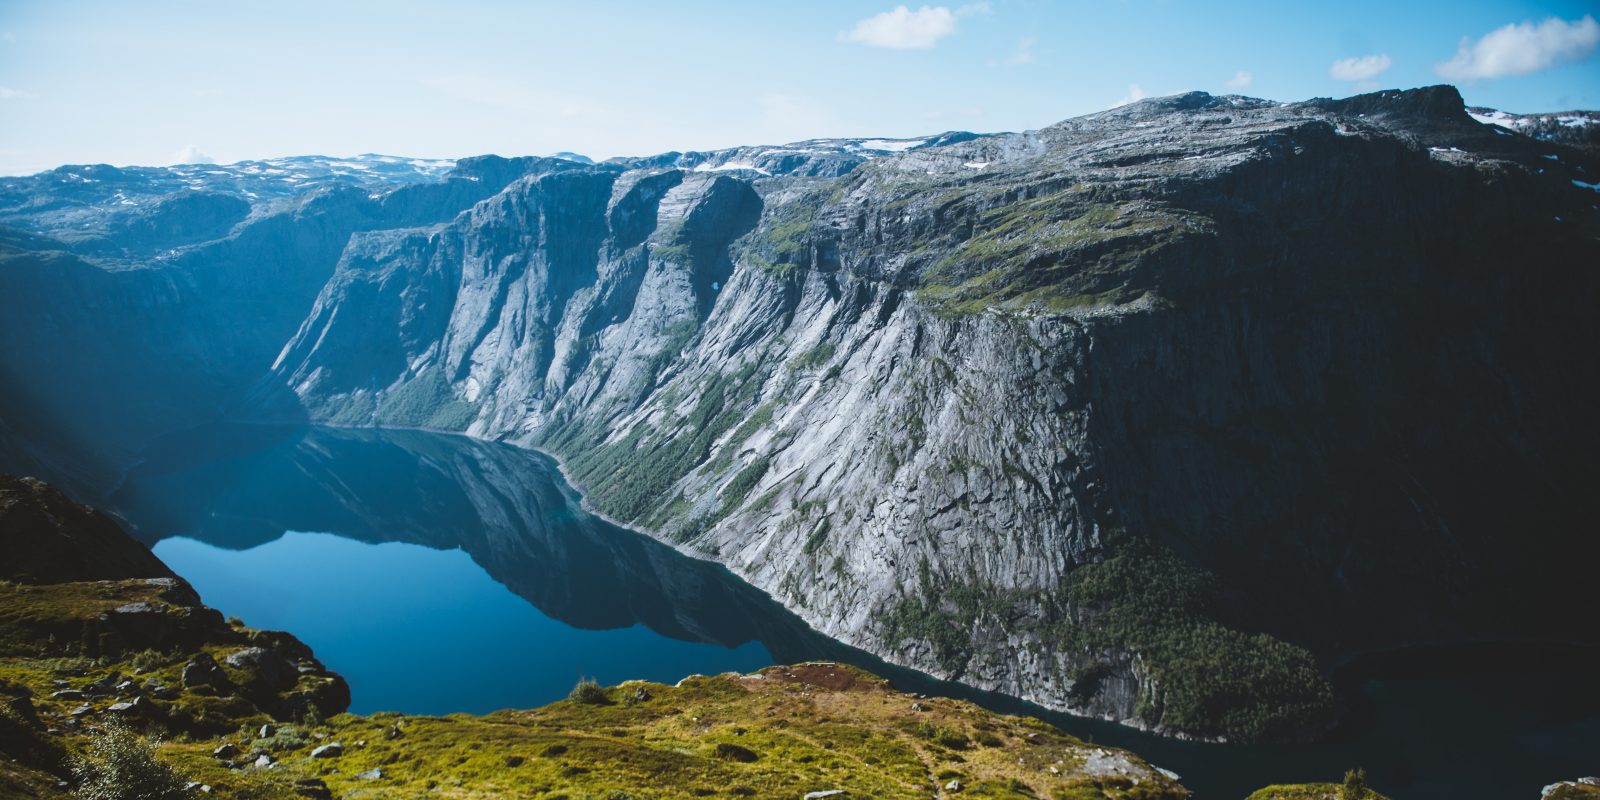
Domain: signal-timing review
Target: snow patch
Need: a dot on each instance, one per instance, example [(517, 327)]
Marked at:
[(890, 145), (731, 165), (1500, 118)]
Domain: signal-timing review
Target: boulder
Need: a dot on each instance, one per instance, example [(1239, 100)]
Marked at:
[(272, 670), (329, 750), (203, 672)]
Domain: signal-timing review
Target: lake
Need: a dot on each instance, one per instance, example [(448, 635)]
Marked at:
[(442, 574)]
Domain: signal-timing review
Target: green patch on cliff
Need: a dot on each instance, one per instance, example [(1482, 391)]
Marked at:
[(629, 477), (1203, 678), (1054, 253), (425, 401)]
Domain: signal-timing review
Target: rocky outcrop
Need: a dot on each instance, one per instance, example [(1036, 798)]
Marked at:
[(81, 591), (1135, 415), (47, 538)]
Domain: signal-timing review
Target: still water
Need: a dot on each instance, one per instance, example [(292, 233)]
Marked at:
[(441, 574)]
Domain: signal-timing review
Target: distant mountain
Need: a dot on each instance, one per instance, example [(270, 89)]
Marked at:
[(1152, 414)]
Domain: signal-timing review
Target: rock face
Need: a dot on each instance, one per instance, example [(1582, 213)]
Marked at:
[(47, 538), (1137, 415)]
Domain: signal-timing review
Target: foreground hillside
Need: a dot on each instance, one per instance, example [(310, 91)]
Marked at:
[(253, 714), (1149, 415)]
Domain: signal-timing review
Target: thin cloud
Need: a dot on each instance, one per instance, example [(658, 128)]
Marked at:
[(1024, 52), (192, 155), (1134, 95), (1522, 49), (1241, 80), (904, 29), (8, 93), (1361, 69)]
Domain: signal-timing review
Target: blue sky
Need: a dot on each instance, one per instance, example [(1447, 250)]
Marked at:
[(151, 83)]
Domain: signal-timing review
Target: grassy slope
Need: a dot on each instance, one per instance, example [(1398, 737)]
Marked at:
[(789, 731)]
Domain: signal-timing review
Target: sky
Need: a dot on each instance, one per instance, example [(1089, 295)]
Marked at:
[(174, 82)]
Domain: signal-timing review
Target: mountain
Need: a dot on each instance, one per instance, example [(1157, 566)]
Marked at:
[(1154, 414)]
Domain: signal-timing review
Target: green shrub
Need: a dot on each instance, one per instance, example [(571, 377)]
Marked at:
[(588, 691), (1355, 785), (121, 765)]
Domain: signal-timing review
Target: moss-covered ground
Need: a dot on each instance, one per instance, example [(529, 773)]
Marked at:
[(781, 732)]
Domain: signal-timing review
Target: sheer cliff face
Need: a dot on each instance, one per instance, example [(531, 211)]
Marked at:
[(1064, 413)]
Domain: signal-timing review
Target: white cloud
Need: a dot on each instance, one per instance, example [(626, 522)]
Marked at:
[(1241, 80), (1361, 69), (904, 29), (8, 93), (1024, 52), (1520, 49), (1135, 94), (192, 155)]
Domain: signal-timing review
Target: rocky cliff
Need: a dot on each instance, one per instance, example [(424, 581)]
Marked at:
[(1143, 415)]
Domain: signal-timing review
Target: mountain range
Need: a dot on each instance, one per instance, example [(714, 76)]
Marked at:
[(1155, 414)]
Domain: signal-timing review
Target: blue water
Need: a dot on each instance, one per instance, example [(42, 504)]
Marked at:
[(427, 631)]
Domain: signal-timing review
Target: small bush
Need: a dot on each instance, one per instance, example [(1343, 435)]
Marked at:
[(286, 737), (590, 692), (149, 661), (121, 765), (1355, 785)]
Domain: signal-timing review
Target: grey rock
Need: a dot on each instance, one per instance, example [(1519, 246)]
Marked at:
[(329, 750), (271, 669), (203, 672), (370, 775)]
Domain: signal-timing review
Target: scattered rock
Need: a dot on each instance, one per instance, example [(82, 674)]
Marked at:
[(641, 695), (81, 710), (953, 786), (263, 761), (106, 684), (135, 706), (268, 730), (329, 750), (68, 694), (313, 788), (227, 750), (824, 793), (370, 775), (733, 752)]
